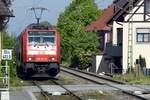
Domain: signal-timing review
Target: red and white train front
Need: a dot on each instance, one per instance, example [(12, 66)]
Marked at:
[(41, 51)]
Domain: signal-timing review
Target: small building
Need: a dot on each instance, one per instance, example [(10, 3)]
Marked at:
[(101, 27), (104, 31), (130, 29)]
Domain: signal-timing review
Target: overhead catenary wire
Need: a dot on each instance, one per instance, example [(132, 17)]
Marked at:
[(37, 10), (36, 3)]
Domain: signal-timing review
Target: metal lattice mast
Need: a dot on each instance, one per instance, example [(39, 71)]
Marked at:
[(130, 37)]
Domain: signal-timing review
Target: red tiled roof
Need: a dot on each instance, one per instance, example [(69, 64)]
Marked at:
[(101, 23)]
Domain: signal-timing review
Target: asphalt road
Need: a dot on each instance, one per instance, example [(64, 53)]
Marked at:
[(21, 94)]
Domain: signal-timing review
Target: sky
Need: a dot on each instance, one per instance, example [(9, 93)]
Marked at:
[(24, 16)]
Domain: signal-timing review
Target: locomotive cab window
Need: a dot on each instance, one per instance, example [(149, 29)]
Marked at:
[(41, 37)]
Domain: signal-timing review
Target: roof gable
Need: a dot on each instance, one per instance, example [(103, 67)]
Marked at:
[(115, 11), (123, 7), (101, 22)]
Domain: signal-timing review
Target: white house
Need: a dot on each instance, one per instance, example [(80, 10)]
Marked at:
[(131, 28), (129, 34)]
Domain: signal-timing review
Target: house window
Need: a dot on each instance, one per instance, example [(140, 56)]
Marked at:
[(143, 35)]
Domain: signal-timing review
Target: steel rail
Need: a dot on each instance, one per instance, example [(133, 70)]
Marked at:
[(70, 92), (106, 79), (44, 93), (103, 78)]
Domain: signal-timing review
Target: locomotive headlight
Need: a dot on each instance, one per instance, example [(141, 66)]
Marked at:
[(30, 59), (53, 58)]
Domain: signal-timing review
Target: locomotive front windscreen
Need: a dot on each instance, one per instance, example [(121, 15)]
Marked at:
[(41, 37)]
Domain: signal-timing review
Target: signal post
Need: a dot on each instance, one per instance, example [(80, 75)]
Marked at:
[(5, 75)]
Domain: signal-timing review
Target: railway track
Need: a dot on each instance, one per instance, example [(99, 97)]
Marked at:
[(92, 77), (102, 80), (47, 95), (43, 92), (68, 91)]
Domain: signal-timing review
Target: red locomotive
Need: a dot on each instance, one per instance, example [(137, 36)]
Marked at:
[(38, 50)]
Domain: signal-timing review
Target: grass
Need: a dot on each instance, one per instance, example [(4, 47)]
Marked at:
[(94, 96), (65, 80), (133, 78), (15, 82)]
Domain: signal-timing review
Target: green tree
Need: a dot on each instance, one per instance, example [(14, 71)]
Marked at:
[(8, 42), (77, 45)]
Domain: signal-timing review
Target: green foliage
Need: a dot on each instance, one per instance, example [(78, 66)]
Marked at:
[(8, 42), (77, 44)]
